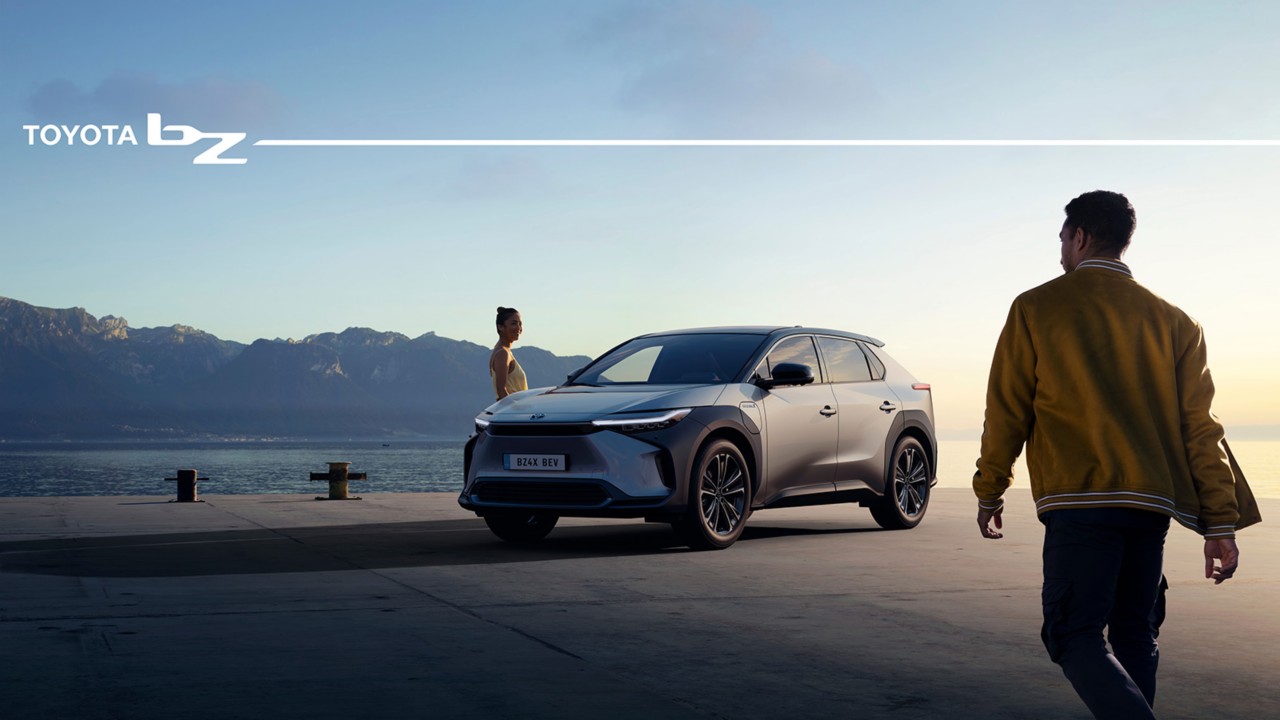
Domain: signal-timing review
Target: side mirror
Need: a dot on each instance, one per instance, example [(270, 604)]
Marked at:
[(569, 378), (787, 374)]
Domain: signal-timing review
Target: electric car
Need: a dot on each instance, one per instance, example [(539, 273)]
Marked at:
[(701, 427)]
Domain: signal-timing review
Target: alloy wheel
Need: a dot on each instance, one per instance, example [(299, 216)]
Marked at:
[(911, 481), (722, 494)]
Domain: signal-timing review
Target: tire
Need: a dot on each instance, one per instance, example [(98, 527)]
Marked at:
[(521, 528), (906, 496), (719, 497)]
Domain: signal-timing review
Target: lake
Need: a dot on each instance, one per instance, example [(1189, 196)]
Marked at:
[(239, 468), (1259, 459), (233, 468)]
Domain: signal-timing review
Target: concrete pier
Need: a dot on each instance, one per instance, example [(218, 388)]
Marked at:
[(404, 606)]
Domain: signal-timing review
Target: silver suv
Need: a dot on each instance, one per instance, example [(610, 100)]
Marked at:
[(701, 427)]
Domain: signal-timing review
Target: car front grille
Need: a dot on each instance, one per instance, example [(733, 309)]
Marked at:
[(542, 429), (554, 494)]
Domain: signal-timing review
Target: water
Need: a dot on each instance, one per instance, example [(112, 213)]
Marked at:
[(418, 466), (1259, 459), (238, 468)]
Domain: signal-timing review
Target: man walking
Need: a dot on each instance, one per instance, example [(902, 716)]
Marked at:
[(1107, 385)]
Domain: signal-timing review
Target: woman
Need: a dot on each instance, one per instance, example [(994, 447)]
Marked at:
[(508, 376)]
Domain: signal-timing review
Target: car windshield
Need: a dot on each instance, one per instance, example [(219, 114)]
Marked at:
[(673, 360)]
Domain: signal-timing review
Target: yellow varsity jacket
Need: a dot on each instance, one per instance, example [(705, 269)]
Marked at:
[(1108, 386)]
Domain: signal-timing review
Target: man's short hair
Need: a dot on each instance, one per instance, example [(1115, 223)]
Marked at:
[(1105, 215)]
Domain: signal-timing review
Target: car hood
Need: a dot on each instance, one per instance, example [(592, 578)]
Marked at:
[(579, 403)]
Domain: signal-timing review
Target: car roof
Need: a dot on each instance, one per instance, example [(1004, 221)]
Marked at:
[(779, 331)]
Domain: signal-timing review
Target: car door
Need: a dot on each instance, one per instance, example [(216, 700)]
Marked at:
[(800, 426), (868, 410)]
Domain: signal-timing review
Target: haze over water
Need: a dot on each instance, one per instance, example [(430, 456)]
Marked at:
[(419, 466), (1260, 460)]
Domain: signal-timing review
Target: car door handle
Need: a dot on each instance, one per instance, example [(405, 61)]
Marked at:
[(828, 411), (888, 406)]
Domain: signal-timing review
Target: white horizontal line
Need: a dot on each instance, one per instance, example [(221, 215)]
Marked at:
[(769, 143)]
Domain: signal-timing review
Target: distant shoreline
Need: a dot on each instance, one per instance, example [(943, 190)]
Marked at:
[(233, 441), (1243, 433), (1235, 433)]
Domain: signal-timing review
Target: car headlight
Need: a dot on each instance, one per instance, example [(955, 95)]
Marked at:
[(482, 421), (647, 422)]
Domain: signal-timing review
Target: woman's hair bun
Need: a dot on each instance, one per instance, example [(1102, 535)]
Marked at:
[(504, 313)]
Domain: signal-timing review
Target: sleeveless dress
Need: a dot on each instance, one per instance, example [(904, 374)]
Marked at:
[(516, 380)]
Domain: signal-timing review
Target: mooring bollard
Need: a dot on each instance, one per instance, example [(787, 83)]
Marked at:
[(338, 477), (186, 485)]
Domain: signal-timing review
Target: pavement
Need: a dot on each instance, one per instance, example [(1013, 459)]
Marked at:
[(404, 605)]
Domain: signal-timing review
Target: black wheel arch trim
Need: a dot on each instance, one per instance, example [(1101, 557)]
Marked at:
[(722, 422), (911, 423)]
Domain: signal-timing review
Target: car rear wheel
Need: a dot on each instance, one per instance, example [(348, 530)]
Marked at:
[(907, 496), (521, 527), (719, 497)]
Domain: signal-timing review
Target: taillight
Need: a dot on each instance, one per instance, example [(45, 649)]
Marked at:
[(920, 386)]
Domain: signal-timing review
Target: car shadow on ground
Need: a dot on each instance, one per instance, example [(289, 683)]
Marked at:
[(347, 547)]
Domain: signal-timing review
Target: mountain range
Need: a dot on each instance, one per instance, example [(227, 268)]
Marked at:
[(65, 374)]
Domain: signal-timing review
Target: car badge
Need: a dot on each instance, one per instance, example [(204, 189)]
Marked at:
[(537, 416)]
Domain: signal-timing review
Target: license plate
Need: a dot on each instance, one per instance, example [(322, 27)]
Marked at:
[(552, 463)]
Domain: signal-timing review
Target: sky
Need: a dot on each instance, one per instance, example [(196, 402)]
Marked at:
[(921, 247)]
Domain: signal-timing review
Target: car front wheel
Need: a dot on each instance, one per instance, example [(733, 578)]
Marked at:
[(719, 497), (523, 527), (907, 495)]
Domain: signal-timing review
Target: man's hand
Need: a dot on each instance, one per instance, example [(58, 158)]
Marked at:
[(1222, 550), (986, 516)]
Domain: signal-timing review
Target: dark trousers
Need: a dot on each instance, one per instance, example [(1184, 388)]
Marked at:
[(1102, 569)]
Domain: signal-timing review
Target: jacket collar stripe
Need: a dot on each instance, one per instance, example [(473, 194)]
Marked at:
[(1115, 265)]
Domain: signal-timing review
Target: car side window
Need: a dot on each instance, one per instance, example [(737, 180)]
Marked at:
[(845, 360), (798, 349), (877, 367)]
